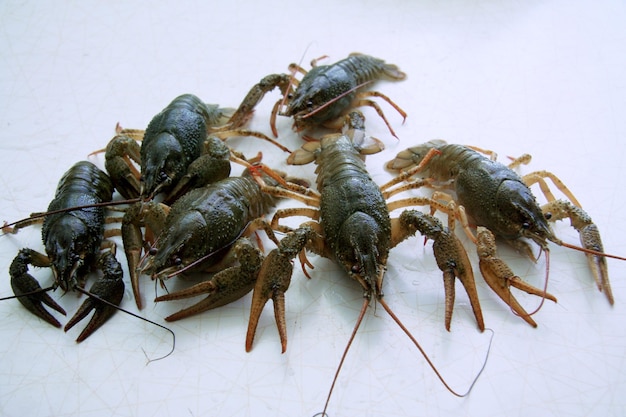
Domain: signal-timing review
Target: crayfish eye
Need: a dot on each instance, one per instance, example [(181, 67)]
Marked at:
[(178, 261), (355, 269), (309, 104), (153, 251), (525, 225), (162, 176), (548, 215), (290, 96)]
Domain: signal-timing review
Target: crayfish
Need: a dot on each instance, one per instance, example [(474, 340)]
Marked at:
[(73, 242), (205, 230), (351, 224), (178, 150), (501, 203), (325, 93)]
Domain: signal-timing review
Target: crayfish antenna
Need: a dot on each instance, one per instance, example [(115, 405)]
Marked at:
[(366, 302), (590, 251), (12, 228), (430, 363), (415, 342)]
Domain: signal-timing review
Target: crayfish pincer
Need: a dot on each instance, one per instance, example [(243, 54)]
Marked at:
[(73, 241), (501, 203), (325, 93)]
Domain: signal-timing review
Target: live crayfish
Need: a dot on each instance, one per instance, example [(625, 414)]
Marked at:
[(178, 150), (325, 93), (351, 224), (205, 230), (73, 242), (501, 203)]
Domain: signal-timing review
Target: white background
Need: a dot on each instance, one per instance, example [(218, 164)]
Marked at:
[(544, 77)]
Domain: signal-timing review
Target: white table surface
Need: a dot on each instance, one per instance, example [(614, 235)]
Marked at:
[(544, 77)]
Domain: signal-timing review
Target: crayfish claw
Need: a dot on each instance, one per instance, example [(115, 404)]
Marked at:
[(120, 151), (139, 214), (224, 287), (500, 277), (28, 290), (104, 297), (273, 281), (589, 239), (451, 259)]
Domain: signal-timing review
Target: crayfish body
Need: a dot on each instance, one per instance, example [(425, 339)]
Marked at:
[(73, 241)]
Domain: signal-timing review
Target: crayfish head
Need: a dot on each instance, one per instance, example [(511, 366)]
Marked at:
[(521, 215), (68, 244), (179, 247), (362, 251), (163, 163)]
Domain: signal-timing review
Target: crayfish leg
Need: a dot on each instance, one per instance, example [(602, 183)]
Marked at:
[(539, 176), (363, 101)]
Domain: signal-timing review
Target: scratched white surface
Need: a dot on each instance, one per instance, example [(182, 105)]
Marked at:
[(540, 77)]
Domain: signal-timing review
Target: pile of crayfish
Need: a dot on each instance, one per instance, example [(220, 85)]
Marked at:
[(184, 213)]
